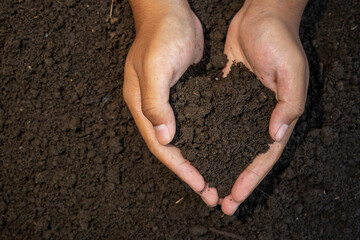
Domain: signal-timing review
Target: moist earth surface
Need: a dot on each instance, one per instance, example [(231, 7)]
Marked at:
[(74, 166)]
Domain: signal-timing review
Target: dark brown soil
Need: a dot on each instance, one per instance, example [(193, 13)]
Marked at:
[(74, 166), (222, 123)]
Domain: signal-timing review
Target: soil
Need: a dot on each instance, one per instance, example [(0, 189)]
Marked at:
[(222, 123), (74, 165)]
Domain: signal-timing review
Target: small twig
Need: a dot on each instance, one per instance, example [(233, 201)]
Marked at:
[(345, 21), (226, 234), (355, 196), (178, 201), (111, 8)]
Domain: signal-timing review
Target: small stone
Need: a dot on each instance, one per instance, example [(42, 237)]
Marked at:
[(40, 177), (75, 123), (219, 60), (84, 221), (112, 34), (338, 70), (65, 66), (91, 154), (340, 85), (114, 20), (89, 100), (2, 119), (198, 230), (115, 145), (59, 24), (327, 135), (10, 216), (262, 97), (65, 51), (113, 175), (70, 3), (71, 180), (298, 208), (208, 66), (98, 160), (48, 61), (109, 187), (3, 206)]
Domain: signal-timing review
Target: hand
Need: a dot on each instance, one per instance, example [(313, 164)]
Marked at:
[(169, 38), (264, 36)]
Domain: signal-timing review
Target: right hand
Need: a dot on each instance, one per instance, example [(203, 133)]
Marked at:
[(169, 38), (264, 35)]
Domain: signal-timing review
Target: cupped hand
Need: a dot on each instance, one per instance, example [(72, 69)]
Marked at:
[(169, 38), (264, 36)]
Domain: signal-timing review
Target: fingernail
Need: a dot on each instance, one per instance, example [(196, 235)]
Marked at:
[(281, 132), (162, 134)]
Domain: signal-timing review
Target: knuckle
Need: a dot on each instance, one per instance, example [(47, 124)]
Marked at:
[(299, 109), (149, 108), (240, 198), (272, 154)]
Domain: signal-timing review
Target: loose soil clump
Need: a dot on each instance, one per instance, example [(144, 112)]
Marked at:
[(222, 123)]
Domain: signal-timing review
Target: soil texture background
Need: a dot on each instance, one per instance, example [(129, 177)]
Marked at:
[(74, 166)]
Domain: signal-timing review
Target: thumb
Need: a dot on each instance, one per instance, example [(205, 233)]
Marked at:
[(291, 93), (281, 118), (155, 90)]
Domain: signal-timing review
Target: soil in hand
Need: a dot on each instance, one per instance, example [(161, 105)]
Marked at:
[(222, 123)]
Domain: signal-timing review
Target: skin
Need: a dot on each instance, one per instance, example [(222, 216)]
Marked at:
[(169, 38), (264, 36)]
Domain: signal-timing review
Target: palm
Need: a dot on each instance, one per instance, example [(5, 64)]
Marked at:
[(270, 49), (158, 57)]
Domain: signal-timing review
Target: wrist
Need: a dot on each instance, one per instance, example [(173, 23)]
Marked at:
[(289, 12), (152, 11)]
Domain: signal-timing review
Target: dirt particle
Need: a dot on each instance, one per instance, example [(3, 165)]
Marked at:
[(198, 230), (75, 123), (70, 3), (218, 60), (115, 145)]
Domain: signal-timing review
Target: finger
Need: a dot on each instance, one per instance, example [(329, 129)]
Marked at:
[(189, 174), (250, 178), (155, 89), (169, 155), (163, 65), (291, 90)]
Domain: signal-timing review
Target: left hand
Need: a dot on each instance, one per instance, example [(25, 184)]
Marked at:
[(264, 36), (169, 38)]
